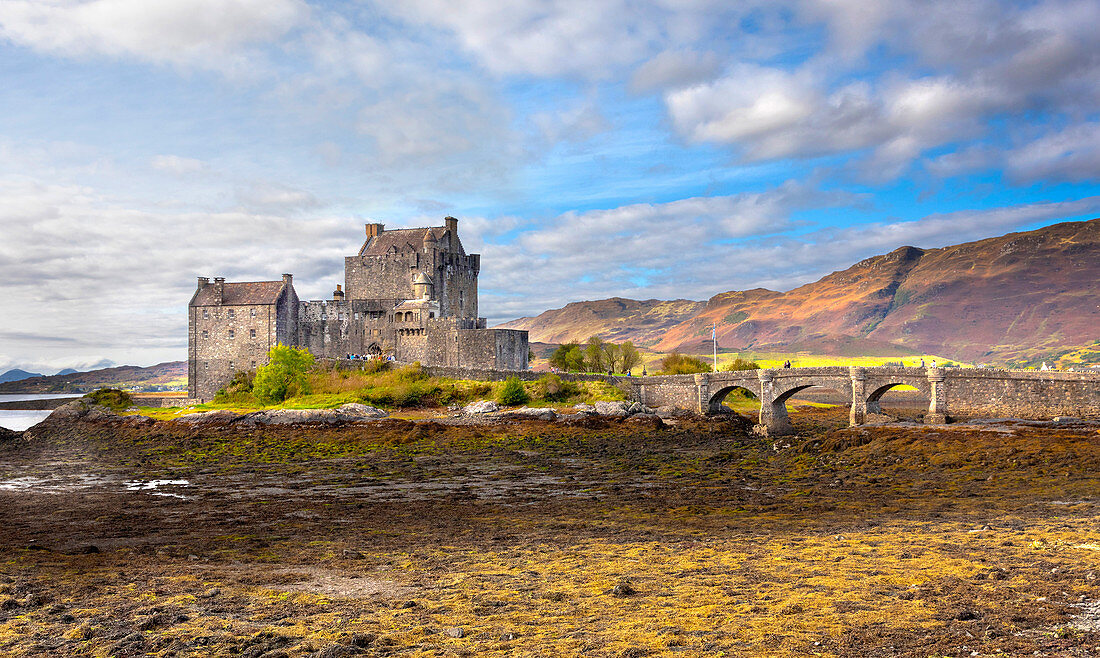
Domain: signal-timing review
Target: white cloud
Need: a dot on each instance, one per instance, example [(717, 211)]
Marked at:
[(675, 68), (205, 32), (179, 166)]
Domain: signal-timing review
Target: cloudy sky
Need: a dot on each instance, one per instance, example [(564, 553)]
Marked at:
[(661, 149)]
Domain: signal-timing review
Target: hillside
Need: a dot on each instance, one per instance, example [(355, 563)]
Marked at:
[(1015, 298), (617, 319), (170, 375)]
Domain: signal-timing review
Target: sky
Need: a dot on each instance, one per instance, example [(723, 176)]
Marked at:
[(662, 149)]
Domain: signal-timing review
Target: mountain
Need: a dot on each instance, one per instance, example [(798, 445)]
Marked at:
[(170, 375), (66, 371), (1014, 298), (617, 319), (16, 374)]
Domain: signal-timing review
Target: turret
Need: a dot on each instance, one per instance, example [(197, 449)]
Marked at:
[(422, 286)]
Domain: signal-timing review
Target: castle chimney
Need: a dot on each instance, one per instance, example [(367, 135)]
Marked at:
[(219, 289), (374, 229), (338, 294), (288, 279), (452, 225), (203, 282)]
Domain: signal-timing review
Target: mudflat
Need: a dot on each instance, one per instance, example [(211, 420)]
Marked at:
[(598, 537)]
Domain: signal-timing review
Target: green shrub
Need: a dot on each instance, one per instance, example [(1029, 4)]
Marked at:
[(513, 393), (284, 376), (375, 366), (740, 364), (114, 399), (238, 390), (681, 364)]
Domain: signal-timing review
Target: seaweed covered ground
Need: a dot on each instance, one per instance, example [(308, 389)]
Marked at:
[(596, 537)]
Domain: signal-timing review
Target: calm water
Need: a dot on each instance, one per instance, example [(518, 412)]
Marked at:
[(21, 420)]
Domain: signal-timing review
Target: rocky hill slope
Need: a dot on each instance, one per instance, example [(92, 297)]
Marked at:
[(1012, 298), (618, 320)]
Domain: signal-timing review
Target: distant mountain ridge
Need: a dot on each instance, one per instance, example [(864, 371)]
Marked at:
[(1006, 299), (16, 374), (172, 374)]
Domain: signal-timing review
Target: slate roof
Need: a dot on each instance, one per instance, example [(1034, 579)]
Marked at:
[(402, 239), (240, 294)]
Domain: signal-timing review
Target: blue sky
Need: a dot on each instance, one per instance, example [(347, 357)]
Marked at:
[(641, 149)]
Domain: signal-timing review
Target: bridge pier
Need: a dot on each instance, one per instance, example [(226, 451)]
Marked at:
[(858, 411), (774, 420), (937, 406)]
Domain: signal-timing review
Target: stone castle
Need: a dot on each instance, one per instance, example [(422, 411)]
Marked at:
[(409, 293)]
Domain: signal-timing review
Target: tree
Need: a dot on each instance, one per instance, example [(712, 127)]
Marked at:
[(595, 356), (629, 357), (513, 393), (284, 375), (559, 359), (574, 360)]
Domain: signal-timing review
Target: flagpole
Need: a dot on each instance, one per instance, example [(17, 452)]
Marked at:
[(714, 337)]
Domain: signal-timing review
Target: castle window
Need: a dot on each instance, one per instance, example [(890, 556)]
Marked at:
[(431, 315), (356, 316), (232, 314), (205, 314), (205, 334), (231, 365), (232, 333), (252, 311), (253, 363), (251, 333)]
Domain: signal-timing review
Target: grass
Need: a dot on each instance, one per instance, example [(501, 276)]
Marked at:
[(406, 388)]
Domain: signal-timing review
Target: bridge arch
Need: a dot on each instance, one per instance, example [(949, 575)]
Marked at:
[(714, 404)]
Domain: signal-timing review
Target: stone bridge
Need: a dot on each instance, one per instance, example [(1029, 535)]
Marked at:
[(966, 392)]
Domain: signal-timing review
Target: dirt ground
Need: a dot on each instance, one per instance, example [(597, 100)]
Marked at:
[(598, 537)]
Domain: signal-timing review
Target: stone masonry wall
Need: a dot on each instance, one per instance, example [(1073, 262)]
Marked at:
[(216, 355), (1020, 394)]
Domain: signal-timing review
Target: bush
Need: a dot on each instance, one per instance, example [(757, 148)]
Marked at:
[(284, 376), (513, 393), (239, 389), (551, 388), (114, 399), (740, 364), (374, 366), (681, 364)]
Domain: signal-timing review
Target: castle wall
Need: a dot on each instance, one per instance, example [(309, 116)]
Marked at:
[(215, 356)]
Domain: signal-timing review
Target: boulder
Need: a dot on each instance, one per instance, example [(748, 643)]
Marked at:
[(481, 407), (586, 408), (639, 408), (293, 417), (219, 417), (614, 408), (652, 421), (355, 411), (542, 413), (70, 411)]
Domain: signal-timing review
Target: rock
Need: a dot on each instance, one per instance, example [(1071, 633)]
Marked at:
[(89, 549), (219, 417), (137, 421), (355, 410), (481, 407), (9, 435), (293, 417), (69, 411), (349, 554), (210, 593), (623, 589), (152, 622), (639, 408), (967, 615), (585, 408), (613, 408), (541, 413), (336, 651), (99, 414), (455, 632)]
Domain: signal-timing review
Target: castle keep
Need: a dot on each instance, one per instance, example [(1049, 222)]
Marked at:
[(409, 293)]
